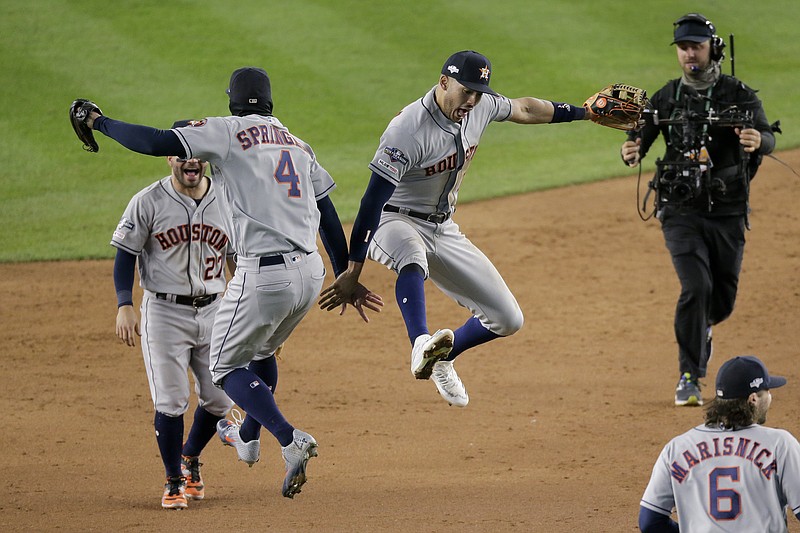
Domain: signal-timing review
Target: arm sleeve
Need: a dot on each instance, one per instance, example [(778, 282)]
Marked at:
[(332, 235), (653, 522), (142, 139), (378, 192), (124, 265)]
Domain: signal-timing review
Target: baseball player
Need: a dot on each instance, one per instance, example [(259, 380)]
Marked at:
[(273, 197), (406, 217), (731, 473), (175, 230)]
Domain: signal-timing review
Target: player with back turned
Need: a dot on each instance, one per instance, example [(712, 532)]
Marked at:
[(716, 133), (273, 197), (731, 473)]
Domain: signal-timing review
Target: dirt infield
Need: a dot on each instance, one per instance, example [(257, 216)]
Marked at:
[(565, 420)]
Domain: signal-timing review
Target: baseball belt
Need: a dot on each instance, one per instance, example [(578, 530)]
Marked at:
[(270, 260), (436, 218), (195, 301)]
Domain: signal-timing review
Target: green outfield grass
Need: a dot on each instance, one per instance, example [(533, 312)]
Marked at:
[(340, 71)]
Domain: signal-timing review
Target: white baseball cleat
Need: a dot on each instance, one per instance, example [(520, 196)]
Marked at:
[(449, 384), (228, 433), (428, 349), (296, 456)]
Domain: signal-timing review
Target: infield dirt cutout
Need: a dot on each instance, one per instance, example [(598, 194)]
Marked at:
[(565, 418)]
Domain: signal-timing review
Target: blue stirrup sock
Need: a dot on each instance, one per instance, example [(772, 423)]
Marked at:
[(204, 427), (471, 334), (410, 294), (169, 435), (250, 393), (267, 370)]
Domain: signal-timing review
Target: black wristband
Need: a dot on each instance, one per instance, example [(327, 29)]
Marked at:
[(567, 113)]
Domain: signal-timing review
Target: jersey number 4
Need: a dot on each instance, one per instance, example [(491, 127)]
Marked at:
[(285, 173)]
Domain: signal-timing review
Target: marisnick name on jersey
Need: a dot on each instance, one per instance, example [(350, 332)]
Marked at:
[(746, 449)]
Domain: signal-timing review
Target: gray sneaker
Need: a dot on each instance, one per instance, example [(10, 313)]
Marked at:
[(688, 391), (228, 432), (296, 455), (449, 384), (427, 350)]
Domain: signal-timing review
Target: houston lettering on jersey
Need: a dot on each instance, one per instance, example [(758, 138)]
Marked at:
[(264, 134), (449, 162), (747, 449), (198, 232)]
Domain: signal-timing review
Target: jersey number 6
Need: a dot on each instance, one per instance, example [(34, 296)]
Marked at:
[(285, 173), (732, 508)]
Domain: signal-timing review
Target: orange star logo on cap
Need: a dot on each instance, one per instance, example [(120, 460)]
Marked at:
[(485, 73)]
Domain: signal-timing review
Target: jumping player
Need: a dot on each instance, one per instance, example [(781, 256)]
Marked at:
[(406, 217), (731, 473), (273, 200), (175, 230)]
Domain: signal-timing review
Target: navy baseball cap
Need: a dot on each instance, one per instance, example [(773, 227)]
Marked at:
[(743, 375), (693, 27), (250, 86), (470, 69)]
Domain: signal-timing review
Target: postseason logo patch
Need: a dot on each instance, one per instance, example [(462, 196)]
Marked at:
[(197, 123), (395, 155), (126, 223)]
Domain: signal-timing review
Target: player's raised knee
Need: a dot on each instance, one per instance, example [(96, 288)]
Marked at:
[(510, 324)]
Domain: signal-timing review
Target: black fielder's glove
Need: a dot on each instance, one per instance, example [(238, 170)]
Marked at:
[(618, 106), (78, 115)]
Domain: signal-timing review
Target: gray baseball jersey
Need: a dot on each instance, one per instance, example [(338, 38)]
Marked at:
[(181, 245), (268, 183), (723, 480), (268, 197), (426, 156), (181, 248)]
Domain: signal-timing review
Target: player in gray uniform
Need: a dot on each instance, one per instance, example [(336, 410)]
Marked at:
[(175, 230), (273, 197), (406, 217), (731, 473)]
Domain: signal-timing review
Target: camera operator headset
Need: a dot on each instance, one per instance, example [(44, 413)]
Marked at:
[(716, 133)]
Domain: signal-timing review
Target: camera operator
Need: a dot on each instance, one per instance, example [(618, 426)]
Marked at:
[(716, 133)]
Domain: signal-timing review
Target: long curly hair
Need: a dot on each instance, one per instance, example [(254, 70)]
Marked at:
[(730, 414)]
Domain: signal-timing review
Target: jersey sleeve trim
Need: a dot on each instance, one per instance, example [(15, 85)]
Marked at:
[(121, 246), (325, 193), (655, 508), (185, 144), (379, 171)]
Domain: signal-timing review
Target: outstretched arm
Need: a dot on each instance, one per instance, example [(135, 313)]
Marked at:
[(142, 139), (369, 214), (530, 110), (332, 235)]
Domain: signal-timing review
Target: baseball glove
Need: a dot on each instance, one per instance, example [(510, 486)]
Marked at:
[(78, 114), (618, 106)]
